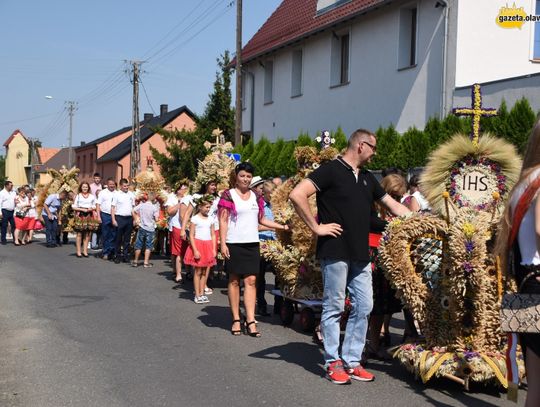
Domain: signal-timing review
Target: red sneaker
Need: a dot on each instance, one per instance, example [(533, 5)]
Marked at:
[(360, 374), (335, 372)]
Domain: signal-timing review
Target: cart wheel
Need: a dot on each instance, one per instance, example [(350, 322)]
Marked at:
[(286, 313), (307, 320)]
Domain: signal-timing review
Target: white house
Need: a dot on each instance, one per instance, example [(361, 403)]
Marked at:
[(318, 64)]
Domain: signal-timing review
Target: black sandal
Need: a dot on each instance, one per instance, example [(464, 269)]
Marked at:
[(255, 334), (236, 332)]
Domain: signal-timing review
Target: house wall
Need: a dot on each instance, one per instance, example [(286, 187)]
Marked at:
[(487, 52), (378, 94), (17, 158), (121, 168), (85, 160), (106, 146)]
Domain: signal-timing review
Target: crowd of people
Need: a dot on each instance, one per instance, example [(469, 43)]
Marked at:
[(353, 209)]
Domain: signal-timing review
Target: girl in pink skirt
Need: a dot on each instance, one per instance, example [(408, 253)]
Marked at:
[(201, 253)]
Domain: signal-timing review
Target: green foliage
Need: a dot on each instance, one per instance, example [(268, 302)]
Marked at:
[(260, 155), (218, 112), (341, 139), (184, 149), (2, 170), (387, 144), (413, 149), (520, 122), (284, 165), (248, 150), (269, 169), (305, 140)]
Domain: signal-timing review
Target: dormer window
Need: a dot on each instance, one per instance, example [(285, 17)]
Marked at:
[(326, 5)]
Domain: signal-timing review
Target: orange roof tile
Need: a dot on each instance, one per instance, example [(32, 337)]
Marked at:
[(297, 19)]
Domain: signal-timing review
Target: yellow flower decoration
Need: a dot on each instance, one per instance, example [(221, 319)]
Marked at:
[(496, 195), (445, 195), (468, 230)]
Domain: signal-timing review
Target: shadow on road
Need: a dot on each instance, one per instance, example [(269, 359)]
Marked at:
[(302, 354)]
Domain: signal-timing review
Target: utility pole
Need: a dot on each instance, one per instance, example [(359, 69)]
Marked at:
[(34, 143), (238, 110), (135, 157), (71, 108)]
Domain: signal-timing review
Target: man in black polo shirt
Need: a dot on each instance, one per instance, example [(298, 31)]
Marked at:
[(345, 196)]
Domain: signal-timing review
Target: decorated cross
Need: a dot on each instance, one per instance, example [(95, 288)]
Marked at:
[(476, 111), (220, 139)]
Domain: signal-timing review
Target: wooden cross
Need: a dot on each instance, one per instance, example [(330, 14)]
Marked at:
[(476, 111), (220, 139)]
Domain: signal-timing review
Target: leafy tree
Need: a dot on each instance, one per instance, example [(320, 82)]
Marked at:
[(387, 143), (413, 149), (283, 165), (260, 155), (218, 112), (184, 149), (2, 170), (305, 140), (433, 129), (341, 139), (520, 123), (271, 164), (248, 150)]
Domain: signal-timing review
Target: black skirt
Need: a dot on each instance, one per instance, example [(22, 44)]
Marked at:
[(531, 341), (244, 259)]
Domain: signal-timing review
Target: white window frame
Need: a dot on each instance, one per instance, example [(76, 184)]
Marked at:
[(533, 31), (268, 98), (336, 57), (297, 92), (400, 65)]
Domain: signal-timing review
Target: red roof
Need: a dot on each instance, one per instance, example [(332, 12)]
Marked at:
[(296, 19), (45, 154), (13, 136)]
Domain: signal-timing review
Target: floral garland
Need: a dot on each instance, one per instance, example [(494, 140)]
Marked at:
[(496, 181)]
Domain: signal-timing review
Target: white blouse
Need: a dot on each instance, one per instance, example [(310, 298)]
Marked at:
[(86, 203)]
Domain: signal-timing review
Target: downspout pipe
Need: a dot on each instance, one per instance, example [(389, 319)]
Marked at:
[(252, 107), (443, 107)]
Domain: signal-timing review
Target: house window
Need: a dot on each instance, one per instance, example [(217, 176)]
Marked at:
[(83, 169), (536, 44), (326, 5), (408, 30), (91, 163), (296, 75), (79, 162), (341, 45), (268, 82)]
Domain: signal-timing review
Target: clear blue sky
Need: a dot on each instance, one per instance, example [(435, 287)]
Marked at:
[(74, 50)]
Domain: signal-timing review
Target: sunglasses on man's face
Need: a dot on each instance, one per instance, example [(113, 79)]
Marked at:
[(373, 148)]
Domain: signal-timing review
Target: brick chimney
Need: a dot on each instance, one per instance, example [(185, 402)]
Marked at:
[(148, 116), (163, 110)]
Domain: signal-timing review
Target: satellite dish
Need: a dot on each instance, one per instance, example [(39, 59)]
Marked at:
[(48, 97)]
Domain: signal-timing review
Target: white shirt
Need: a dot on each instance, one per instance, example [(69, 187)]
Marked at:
[(245, 228), (7, 199), (86, 203), (174, 221), (527, 232), (104, 200), (213, 214), (32, 213), (124, 203), (202, 227)]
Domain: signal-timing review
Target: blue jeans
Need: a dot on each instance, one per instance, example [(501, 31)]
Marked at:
[(51, 229), (123, 236), (144, 238), (339, 275), (108, 234), (7, 218)]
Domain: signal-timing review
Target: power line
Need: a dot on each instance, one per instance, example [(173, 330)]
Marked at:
[(147, 98), (220, 14), (29, 118)]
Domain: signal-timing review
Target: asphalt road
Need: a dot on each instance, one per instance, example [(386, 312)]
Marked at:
[(85, 332)]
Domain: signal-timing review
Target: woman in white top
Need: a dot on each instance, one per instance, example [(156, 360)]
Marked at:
[(241, 211), (22, 222), (209, 188), (176, 208), (521, 224), (31, 214), (84, 207)]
